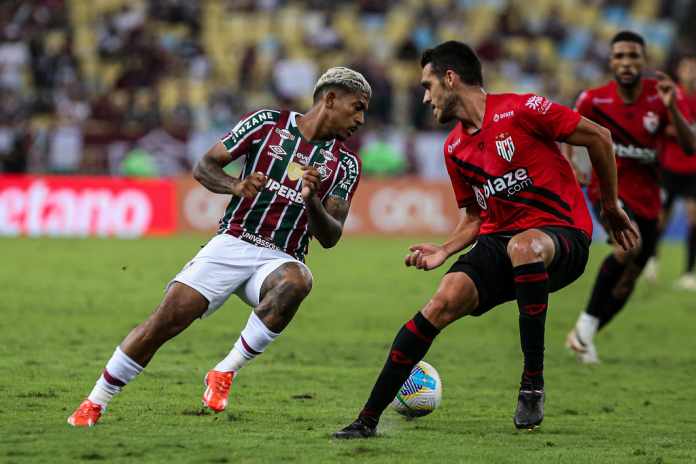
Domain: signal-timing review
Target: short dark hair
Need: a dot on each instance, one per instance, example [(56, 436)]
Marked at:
[(629, 36), (454, 56)]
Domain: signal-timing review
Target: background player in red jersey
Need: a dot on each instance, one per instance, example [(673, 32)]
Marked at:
[(679, 178), (637, 111), (297, 182), (521, 206)]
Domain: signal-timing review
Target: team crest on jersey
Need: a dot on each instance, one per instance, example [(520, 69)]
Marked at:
[(651, 122), (284, 134), (324, 171), (277, 152), (505, 146)]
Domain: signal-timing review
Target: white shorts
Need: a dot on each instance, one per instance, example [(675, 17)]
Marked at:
[(227, 265)]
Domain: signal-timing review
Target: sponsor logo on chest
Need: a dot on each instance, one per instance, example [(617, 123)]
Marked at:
[(277, 152), (509, 184), (284, 191), (453, 145), (500, 116), (284, 134), (505, 146)]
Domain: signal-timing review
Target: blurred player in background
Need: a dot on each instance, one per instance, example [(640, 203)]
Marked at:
[(521, 208), (297, 182), (638, 112), (679, 179)]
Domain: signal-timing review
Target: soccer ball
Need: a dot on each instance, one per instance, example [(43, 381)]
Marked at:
[(421, 393)]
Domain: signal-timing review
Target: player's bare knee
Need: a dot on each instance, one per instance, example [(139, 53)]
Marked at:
[(525, 250), (295, 284), (442, 311)]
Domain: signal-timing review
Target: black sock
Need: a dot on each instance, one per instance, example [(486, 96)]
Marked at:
[(618, 297), (532, 289), (409, 347), (691, 246), (609, 274)]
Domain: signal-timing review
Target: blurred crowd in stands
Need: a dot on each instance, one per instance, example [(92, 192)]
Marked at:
[(146, 87)]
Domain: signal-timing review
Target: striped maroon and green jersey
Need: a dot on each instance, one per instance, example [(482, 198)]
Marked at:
[(272, 144)]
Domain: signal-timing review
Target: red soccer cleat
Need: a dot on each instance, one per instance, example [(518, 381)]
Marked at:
[(86, 415), (218, 389)]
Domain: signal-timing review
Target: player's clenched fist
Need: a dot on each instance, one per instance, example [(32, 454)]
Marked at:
[(665, 88), (250, 185), (310, 181)]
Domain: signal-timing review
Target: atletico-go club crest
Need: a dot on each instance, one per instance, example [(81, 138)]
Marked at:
[(505, 146)]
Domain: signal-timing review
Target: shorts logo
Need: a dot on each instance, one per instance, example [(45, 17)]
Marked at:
[(498, 116), (284, 134), (651, 122), (277, 152), (453, 145), (505, 146), (509, 184)]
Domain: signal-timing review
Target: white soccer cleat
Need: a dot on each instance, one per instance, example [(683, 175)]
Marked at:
[(686, 282), (650, 271), (585, 353)]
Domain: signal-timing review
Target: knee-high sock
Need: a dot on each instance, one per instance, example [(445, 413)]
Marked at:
[(251, 342), (120, 370), (409, 347), (618, 297), (691, 249), (609, 274), (532, 289)]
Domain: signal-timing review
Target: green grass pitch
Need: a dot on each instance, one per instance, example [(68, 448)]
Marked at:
[(67, 303)]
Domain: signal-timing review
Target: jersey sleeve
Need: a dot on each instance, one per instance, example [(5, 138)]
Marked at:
[(238, 141), (583, 104), (348, 177), (547, 118), (463, 192)]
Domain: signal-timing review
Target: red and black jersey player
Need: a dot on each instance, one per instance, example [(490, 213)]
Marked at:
[(522, 207), (637, 111)]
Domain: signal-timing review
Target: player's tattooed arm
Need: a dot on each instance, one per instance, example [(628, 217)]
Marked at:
[(428, 256), (326, 220), (210, 173)]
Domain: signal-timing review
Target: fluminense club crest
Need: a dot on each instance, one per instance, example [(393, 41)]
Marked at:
[(505, 146)]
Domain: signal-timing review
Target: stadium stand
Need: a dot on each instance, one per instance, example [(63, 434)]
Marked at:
[(145, 87)]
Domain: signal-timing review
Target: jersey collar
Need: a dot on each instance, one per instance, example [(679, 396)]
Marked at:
[(295, 130)]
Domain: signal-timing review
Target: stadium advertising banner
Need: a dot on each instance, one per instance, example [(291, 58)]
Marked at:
[(86, 206), (380, 206)]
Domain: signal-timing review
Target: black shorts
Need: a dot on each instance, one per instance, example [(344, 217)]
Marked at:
[(679, 185), (648, 229), (489, 265)]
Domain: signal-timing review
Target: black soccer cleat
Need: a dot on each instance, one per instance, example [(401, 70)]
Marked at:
[(358, 429), (530, 409)]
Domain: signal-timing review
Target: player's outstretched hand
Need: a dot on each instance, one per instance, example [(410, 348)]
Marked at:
[(619, 225), (310, 181), (426, 256), (250, 185), (665, 88)]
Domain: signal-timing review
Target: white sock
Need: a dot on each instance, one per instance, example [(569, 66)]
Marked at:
[(586, 327), (118, 372), (251, 342)]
